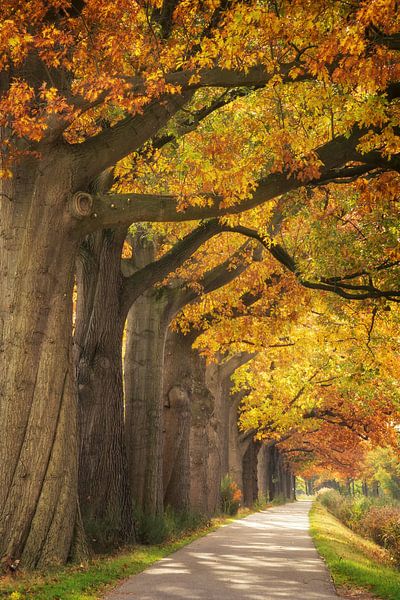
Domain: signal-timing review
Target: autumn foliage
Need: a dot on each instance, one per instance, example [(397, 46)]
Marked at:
[(270, 130)]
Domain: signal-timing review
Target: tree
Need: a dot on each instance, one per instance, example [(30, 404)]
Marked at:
[(67, 67), (147, 327), (107, 288)]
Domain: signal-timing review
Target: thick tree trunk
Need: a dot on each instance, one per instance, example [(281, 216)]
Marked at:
[(38, 416), (104, 492), (238, 443), (178, 386), (219, 383), (144, 360), (272, 472), (262, 473), (250, 481), (192, 456), (148, 322), (205, 459)]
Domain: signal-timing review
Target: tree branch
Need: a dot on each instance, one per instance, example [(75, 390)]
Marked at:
[(214, 279), (120, 209), (336, 286), (136, 284), (109, 146)]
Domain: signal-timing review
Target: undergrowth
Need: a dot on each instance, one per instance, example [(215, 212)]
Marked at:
[(354, 562)]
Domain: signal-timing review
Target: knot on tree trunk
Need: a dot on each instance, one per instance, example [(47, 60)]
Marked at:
[(81, 205)]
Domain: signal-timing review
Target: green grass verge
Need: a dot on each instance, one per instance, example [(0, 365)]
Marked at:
[(92, 580), (354, 562)]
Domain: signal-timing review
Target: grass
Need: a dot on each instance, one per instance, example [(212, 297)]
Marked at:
[(354, 562), (91, 581)]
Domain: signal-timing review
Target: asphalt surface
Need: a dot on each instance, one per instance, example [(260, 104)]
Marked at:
[(267, 556)]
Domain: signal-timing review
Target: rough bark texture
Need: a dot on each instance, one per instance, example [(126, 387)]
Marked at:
[(250, 473), (144, 360), (238, 443), (262, 473), (178, 386), (38, 479), (107, 289), (147, 326), (205, 460), (219, 384), (192, 452), (104, 492)]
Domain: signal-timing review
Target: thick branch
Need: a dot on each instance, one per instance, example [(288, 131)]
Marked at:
[(106, 148), (230, 365), (214, 279), (136, 284), (111, 145), (121, 209)]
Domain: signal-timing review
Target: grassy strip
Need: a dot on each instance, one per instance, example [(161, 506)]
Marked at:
[(354, 562), (91, 581)]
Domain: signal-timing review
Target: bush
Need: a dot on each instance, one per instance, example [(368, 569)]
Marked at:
[(156, 529), (279, 500), (376, 518), (152, 529), (382, 524), (337, 504), (231, 496)]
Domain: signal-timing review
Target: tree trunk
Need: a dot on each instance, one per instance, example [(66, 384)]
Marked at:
[(262, 473), (104, 492), (375, 488), (250, 482), (219, 383), (272, 472), (144, 360), (205, 459), (38, 415), (238, 443), (178, 385), (148, 322)]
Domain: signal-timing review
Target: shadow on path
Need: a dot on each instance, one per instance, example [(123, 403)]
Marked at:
[(267, 556)]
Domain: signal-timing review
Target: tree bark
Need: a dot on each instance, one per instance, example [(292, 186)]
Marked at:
[(192, 463), (144, 360), (238, 443), (106, 290), (105, 497), (272, 471), (147, 326), (178, 389), (218, 380), (250, 480), (38, 413), (205, 459), (262, 473)]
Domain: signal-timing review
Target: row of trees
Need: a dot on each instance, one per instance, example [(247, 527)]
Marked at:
[(255, 148)]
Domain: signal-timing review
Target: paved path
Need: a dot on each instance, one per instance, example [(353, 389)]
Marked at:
[(267, 556)]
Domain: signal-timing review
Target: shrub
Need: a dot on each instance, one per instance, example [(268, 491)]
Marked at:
[(337, 504), (152, 529), (156, 529), (278, 500), (376, 518), (382, 524), (231, 496)]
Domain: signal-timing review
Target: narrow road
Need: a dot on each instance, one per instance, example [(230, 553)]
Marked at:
[(267, 556)]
